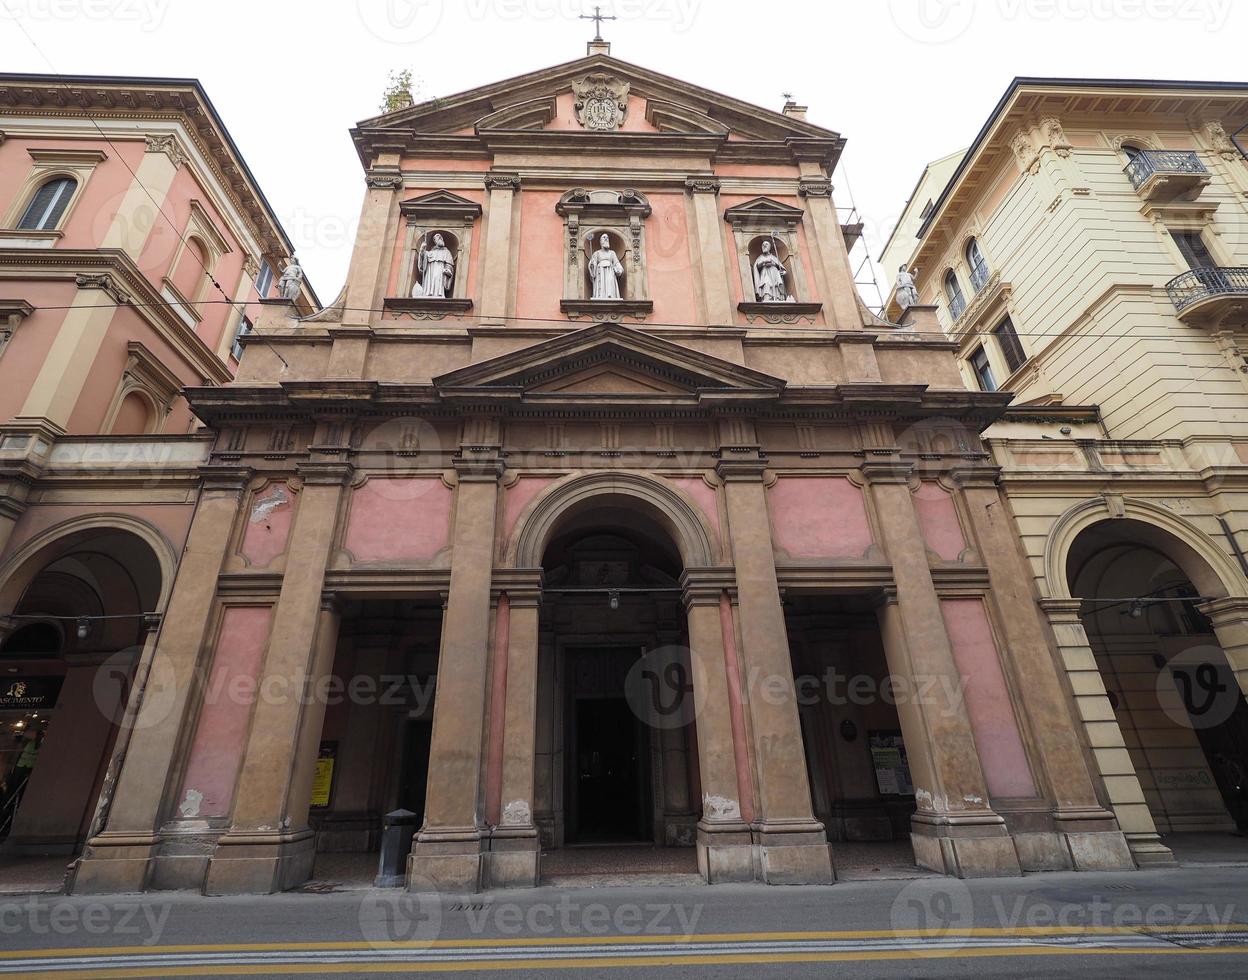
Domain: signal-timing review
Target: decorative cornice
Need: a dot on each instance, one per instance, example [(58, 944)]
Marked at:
[(105, 281), (379, 180), (498, 181), (702, 185), (780, 312), (167, 144), (814, 187)]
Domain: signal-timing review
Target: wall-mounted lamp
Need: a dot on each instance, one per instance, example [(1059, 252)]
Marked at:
[(613, 599), (84, 627)]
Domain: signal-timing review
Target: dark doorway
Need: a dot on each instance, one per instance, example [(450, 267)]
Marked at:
[(608, 748), (414, 781)]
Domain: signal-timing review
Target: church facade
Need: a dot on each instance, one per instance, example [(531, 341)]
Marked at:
[(598, 508)]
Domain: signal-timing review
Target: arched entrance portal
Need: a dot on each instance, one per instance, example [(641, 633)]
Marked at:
[(78, 609), (1174, 694), (616, 748)]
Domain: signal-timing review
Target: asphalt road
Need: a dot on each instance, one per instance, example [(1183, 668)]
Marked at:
[(1192, 921)]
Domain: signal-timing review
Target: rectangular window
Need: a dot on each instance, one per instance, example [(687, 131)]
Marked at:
[(983, 370), (244, 328), (1007, 337), (264, 280), (1194, 250)]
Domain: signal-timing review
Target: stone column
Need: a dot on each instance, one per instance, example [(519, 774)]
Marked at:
[(514, 847), (841, 303), (269, 846), (496, 291), (449, 848), (725, 847), (793, 845), (714, 273), (1230, 622), (1101, 733), (955, 830), (118, 858), (1092, 840)]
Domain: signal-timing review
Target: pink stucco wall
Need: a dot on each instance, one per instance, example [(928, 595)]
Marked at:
[(540, 287), (399, 519), (703, 495), (667, 260), (221, 734), (1000, 746), (268, 525), (938, 520), (518, 496), (103, 192), (818, 517), (172, 520)]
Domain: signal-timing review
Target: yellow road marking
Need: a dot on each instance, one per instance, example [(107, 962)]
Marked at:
[(721, 959), (982, 932)]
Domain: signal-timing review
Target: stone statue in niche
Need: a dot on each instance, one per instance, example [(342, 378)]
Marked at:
[(605, 271), (907, 291), (769, 273), (437, 270), (291, 283)]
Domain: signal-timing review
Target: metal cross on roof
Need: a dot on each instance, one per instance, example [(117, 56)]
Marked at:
[(597, 17)]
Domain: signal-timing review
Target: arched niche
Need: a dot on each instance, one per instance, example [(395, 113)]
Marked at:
[(780, 248), (621, 214), (455, 219)]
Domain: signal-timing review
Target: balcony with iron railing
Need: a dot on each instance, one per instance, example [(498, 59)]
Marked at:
[(1211, 294), (1167, 175)]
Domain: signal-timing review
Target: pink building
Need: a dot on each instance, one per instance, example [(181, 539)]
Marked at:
[(135, 249)]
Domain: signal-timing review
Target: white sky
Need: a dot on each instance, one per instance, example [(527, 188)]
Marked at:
[(906, 81)]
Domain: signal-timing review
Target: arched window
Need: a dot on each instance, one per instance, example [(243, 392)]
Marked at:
[(45, 209), (953, 292), (1131, 151), (978, 265)]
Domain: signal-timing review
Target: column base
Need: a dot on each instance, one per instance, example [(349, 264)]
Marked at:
[(794, 853), (1094, 840), (976, 846), (1148, 851), (448, 861), (514, 859), (260, 864), (112, 864), (726, 853)]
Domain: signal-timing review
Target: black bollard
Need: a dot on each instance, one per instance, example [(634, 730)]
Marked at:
[(398, 829)]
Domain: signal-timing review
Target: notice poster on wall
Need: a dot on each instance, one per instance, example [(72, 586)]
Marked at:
[(323, 774), (892, 769)]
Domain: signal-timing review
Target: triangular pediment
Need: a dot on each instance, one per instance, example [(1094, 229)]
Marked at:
[(609, 362), (532, 102), (764, 209)]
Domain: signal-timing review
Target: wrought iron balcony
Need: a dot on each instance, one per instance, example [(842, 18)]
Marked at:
[(1167, 174), (1210, 293)]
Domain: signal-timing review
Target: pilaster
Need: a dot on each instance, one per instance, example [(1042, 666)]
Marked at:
[(955, 830), (449, 850), (793, 845), (118, 858), (269, 846)]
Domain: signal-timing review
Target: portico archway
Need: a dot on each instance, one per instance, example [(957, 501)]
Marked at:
[(1160, 626), (79, 604)]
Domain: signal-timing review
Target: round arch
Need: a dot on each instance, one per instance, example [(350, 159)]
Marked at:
[(676, 514), (1204, 562), (20, 568)]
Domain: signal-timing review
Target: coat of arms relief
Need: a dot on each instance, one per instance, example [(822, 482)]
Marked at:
[(601, 101)]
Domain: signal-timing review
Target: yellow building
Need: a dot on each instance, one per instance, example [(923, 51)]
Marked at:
[(1088, 255)]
